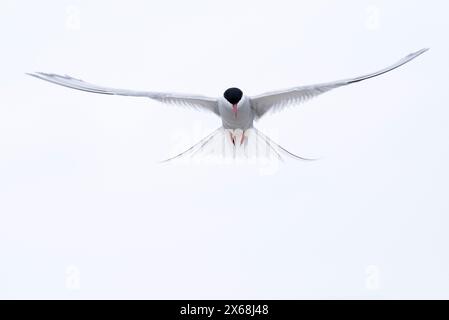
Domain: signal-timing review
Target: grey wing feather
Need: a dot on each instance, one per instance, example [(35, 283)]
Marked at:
[(195, 101), (277, 100)]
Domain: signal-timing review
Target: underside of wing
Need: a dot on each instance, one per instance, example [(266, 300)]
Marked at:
[(195, 101), (277, 100)]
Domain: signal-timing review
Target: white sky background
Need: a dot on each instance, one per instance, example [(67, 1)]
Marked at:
[(86, 210)]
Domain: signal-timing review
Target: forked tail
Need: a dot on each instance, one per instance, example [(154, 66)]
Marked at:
[(196, 147), (254, 144)]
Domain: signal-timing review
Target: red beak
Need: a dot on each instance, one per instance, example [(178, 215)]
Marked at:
[(234, 109)]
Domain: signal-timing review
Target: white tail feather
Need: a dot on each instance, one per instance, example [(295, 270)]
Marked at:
[(253, 145)]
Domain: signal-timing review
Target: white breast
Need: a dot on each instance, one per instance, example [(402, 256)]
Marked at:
[(245, 114)]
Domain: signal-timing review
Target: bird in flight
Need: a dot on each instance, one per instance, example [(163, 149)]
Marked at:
[(236, 110)]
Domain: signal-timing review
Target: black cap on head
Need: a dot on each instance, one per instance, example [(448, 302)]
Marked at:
[(233, 95)]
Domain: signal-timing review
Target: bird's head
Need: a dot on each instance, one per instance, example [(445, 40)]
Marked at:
[(233, 95)]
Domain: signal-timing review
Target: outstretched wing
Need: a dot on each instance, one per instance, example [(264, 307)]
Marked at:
[(280, 99), (198, 102)]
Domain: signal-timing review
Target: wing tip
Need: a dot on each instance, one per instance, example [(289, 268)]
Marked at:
[(419, 52), (32, 74), (52, 77), (39, 75)]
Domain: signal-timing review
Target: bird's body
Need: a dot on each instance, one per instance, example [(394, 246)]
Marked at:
[(236, 110), (242, 119)]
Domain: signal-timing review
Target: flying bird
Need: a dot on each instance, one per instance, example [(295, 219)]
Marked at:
[(236, 110)]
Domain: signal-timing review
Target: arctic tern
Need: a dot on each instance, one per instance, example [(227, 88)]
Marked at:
[(236, 110)]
